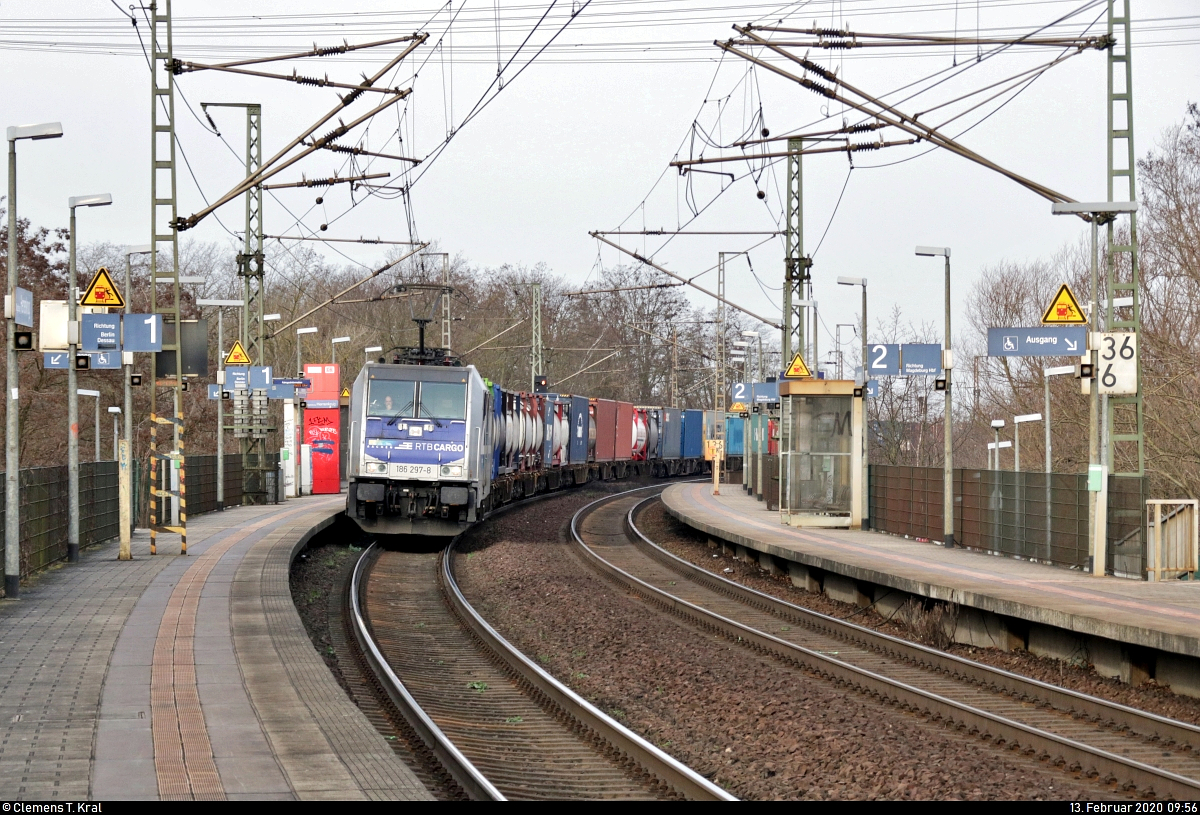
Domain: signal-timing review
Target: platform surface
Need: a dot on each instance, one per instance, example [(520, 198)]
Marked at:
[(183, 678), (1164, 616)]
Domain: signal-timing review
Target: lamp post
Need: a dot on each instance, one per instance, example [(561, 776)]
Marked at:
[(130, 251), (115, 411), (300, 332), (1017, 422), (218, 305), (333, 344), (866, 448), (997, 425), (754, 334), (100, 200), (948, 421), (374, 349), (1101, 212), (12, 431), (1061, 370)]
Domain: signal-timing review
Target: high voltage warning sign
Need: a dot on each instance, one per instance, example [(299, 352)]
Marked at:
[(797, 370), (1064, 309), (102, 292), (237, 355)]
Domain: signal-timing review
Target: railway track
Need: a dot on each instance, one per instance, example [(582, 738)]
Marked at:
[(500, 726), (1123, 747)]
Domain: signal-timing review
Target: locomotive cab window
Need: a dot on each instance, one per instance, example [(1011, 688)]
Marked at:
[(390, 398), (443, 400)]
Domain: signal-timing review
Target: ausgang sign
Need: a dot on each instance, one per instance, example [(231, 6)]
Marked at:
[(1041, 341)]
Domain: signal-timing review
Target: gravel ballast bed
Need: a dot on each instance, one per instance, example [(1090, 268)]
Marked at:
[(685, 542), (758, 728)]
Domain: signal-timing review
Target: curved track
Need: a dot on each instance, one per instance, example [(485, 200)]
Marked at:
[(502, 727), (1120, 745)]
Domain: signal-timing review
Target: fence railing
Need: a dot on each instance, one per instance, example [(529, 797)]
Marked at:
[(1032, 515), (43, 493)]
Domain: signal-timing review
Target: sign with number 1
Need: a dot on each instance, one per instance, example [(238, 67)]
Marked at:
[(1117, 363), (143, 332)]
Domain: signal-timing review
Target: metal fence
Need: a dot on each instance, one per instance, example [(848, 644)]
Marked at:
[(1037, 516), (44, 511), (202, 483)]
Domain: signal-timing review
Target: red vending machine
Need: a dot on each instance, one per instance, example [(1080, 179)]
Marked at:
[(322, 427)]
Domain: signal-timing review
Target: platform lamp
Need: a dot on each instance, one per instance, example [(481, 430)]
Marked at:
[(997, 425), (74, 202), (116, 414), (755, 335), (1017, 422), (374, 349), (948, 420), (300, 332), (12, 432), (866, 447), (333, 344)]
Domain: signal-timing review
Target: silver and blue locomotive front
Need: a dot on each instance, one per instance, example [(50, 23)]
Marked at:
[(419, 462)]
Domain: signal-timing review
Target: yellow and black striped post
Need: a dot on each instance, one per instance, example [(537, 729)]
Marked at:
[(175, 459), (182, 488), (153, 484)]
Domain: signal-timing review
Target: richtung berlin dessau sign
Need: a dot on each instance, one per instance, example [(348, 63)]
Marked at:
[(1041, 341)]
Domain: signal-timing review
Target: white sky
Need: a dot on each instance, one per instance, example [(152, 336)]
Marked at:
[(578, 141)]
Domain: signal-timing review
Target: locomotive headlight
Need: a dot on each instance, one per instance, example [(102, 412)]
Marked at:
[(376, 468), (452, 471)]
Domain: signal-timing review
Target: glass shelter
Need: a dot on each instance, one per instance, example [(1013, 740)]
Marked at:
[(820, 441)]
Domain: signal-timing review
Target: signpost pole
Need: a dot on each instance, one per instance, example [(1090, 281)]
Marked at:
[(1094, 391), (124, 496), (96, 428), (948, 427), (12, 448), (72, 407), (220, 411)]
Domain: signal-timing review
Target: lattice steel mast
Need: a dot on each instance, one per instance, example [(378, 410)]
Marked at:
[(163, 193), (1123, 414)]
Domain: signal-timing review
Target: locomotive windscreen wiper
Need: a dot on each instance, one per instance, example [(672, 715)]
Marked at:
[(400, 413)]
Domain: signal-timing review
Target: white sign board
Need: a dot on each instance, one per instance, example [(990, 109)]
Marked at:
[(52, 333), (1116, 363)]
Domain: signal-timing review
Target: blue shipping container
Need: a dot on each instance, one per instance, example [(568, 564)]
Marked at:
[(672, 433), (735, 442), (579, 429), (693, 434)]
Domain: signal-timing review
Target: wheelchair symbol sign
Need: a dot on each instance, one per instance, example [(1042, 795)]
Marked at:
[(1010, 343)]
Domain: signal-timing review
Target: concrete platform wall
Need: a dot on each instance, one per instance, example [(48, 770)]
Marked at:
[(982, 628)]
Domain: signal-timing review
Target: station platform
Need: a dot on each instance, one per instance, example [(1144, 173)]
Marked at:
[(183, 678), (1131, 629)]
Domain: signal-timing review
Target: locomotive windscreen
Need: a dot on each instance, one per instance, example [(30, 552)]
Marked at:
[(443, 400), (392, 397)]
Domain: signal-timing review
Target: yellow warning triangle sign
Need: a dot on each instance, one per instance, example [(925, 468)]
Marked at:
[(345, 393), (102, 291), (237, 355), (797, 370), (1064, 309)]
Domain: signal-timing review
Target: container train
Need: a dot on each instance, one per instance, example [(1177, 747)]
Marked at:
[(435, 448)]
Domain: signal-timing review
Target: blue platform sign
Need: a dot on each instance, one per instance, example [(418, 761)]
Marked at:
[(740, 392), (214, 392), (281, 391), (292, 380), (100, 332), (56, 359), (921, 359), (883, 359), (872, 388), (24, 310), (766, 392), (1041, 341), (260, 377), (143, 332), (237, 377), (105, 360)]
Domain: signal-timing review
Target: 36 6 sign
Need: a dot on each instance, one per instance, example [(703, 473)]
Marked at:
[(1117, 363)]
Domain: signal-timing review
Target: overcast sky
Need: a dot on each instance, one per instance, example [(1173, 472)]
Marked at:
[(581, 139)]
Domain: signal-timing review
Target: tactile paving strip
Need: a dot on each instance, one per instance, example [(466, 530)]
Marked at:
[(183, 759)]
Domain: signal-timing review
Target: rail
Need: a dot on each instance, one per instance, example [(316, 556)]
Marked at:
[(1011, 732), (458, 765)]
